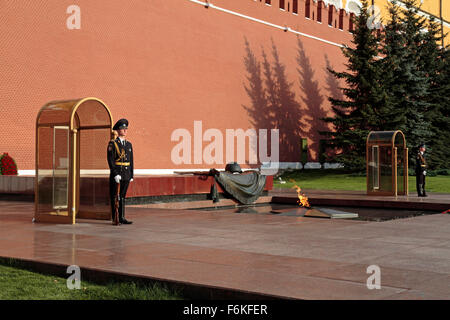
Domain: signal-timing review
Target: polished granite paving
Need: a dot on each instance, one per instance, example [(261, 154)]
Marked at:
[(435, 201), (277, 256)]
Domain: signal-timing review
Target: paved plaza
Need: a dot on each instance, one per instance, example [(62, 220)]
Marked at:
[(260, 253)]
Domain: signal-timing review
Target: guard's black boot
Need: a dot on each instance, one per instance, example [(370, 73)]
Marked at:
[(424, 194), (419, 190), (122, 219)]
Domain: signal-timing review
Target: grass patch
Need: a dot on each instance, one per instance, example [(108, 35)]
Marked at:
[(17, 283), (340, 180)]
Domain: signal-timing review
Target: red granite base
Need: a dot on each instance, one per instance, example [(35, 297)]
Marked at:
[(176, 185), (142, 186)]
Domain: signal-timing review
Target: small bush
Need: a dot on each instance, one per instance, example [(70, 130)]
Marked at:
[(358, 174), (443, 172), (430, 173)]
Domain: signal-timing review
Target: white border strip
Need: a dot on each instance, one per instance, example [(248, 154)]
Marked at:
[(287, 29), (136, 171), (264, 166), (26, 172)]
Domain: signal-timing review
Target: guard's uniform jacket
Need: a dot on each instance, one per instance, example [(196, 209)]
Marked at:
[(120, 161), (421, 166)]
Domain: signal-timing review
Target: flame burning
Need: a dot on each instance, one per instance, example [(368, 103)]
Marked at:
[(302, 199)]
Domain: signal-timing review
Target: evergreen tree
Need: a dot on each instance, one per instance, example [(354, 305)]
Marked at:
[(398, 79), (439, 152), (391, 59), (435, 61), (365, 104), (406, 81)]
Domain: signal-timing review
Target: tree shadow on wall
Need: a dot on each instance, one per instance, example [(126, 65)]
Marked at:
[(333, 87), (334, 91), (312, 100), (261, 116), (273, 102)]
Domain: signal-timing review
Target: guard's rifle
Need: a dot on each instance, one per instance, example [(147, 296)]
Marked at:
[(211, 172), (204, 176), (122, 158), (117, 196), (116, 205)]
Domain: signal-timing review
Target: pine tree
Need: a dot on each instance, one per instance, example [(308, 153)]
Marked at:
[(439, 148), (434, 60), (365, 104), (406, 80), (391, 57), (400, 83)]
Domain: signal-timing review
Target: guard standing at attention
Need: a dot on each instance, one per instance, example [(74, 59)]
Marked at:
[(421, 172), (120, 161)]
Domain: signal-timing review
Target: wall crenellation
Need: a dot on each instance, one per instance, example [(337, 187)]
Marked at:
[(327, 12)]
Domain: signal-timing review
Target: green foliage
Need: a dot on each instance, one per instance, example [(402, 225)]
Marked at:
[(322, 180), (365, 100), (335, 179), (17, 283), (417, 79), (443, 172), (406, 80), (398, 79), (358, 174), (438, 151), (430, 173)]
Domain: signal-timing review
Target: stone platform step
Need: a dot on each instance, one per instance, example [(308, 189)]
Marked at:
[(315, 213), (142, 186), (339, 198), (198, 204)]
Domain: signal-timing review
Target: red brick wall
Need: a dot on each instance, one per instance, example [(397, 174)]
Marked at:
[(160, 64)]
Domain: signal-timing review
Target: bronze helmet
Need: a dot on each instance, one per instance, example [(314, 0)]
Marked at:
[(233, 167)]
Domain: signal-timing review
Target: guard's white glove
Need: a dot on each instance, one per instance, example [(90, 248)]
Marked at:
[(117, 178), (131, 179), (424, 173)]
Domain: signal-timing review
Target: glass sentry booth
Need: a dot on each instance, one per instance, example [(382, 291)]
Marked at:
[(71, 166), (386, 163)]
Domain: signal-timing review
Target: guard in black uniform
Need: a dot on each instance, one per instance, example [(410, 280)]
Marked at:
[(421, 172), (120, 161)]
